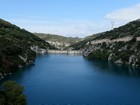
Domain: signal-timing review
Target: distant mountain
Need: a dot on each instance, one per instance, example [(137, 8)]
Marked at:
[(58, 40), (120, 45), (16, 47)]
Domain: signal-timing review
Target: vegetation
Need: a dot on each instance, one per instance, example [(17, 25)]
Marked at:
[(98, 54), (81, 44), (120, 51), (60, 42), (131, 29), (12, 94), (15, 42), (58, 38)]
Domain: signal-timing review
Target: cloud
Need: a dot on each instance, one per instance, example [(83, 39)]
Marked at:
[(125, 14), (75, 28)]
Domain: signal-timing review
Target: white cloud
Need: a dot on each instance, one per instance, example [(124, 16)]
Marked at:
[(76, 28), (125, 14)]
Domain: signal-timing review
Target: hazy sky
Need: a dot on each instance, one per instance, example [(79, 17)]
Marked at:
[(69, 17)]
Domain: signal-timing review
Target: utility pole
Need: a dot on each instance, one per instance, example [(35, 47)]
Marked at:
[(112, 25)]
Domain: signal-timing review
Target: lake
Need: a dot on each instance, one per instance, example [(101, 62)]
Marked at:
[(74, 80)]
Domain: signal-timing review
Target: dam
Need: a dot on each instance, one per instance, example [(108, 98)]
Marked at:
[(64, 51)]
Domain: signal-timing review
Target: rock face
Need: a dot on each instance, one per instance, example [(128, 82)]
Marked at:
[(118, 45), (15, 47), (118, 52)]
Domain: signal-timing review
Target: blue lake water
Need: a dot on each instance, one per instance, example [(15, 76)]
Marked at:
[(74, 80)]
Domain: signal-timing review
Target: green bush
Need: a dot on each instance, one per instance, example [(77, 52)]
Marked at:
[(12, 94), (98, 54)]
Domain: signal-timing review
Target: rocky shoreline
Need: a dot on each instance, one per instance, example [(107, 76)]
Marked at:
[(26, 60), (118, 52)]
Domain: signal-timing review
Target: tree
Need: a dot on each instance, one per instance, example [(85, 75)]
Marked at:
[(14, 93), (2, 98), (133, 40)]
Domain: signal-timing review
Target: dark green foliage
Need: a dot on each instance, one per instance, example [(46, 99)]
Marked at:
[(133, 40), (120, 51), (138, 45), (12, 94), (98, 54), (12, 50), (123, 55), (81, 44), (14, 42), (15, 35), (117, 46), (5, 24), (78, 45), (103, 45), (2, 98)]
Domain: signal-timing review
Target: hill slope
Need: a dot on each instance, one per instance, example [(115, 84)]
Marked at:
[(131, 29), (58, 40), (121, 45), (15, 47), (80, 45)]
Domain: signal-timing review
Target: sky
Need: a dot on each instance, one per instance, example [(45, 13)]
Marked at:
[(75, 18)]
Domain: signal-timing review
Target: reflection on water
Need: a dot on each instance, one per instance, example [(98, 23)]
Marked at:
[(19, 74), (109, 67)]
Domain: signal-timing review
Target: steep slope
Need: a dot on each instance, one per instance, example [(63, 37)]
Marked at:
[(15, 47), (121, 45)]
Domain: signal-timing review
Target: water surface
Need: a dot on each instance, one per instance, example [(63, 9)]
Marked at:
[(73, 80)]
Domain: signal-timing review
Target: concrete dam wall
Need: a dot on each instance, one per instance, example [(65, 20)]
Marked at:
[(65, 51)]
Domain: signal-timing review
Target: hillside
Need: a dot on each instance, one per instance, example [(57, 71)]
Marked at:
[(132, 29), (80, 45), (121, 45), (15, 47), (58, 40)]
